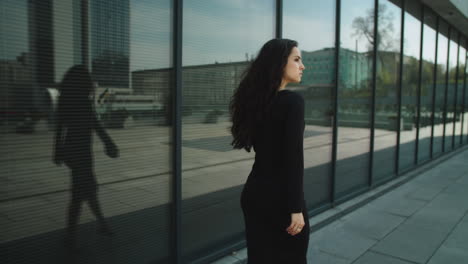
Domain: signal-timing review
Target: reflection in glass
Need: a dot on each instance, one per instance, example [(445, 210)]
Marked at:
[(459, 115), (43, 39), (354, 95), (219, 40), (410, 80), (387, 81), (463, 78), (427, 85), (301, 21), (441, 71), (450, 117)]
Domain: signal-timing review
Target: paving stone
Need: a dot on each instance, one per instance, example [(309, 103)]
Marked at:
[(336, 241), (375, 258), (397, 206), (447, 255), (370, 223), (314, 255), (411, 242)]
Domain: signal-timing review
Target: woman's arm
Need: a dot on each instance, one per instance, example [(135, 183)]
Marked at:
[(294, 153), (111, 149), (294, 162)]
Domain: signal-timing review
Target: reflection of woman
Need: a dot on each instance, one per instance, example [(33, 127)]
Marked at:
[(270, 119), (73, 144)]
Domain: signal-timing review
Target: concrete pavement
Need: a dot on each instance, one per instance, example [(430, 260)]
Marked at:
[(421, 217)]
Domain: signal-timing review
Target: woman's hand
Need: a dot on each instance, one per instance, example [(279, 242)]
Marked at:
[(297, 223), (112, 151)]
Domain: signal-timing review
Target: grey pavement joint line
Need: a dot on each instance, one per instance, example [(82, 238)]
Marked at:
[(390, 256), (448, 235)]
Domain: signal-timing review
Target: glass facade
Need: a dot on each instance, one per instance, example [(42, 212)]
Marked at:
[(440, 88), (427, 85), (220, 38), (410, 85), (354, 95), (386, 90), (317, 88), (382, 96)]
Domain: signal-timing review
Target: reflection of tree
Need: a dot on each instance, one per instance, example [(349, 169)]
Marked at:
[(364, 27)]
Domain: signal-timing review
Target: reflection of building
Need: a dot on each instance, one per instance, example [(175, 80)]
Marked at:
[(16, 85), (109, 38), (355, 68), (198, 94), (320, 64)]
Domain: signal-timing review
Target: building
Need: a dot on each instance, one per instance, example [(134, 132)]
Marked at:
[(379, 103), (110, 42)]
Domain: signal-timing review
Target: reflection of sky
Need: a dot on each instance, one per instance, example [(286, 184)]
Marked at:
[(150, 34), (429, 44), (412, 36), (350, 9), (311, 23), (225, 30), (13, 28), (442, 50), (453, 54)]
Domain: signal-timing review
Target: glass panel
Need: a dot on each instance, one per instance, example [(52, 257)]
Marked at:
[(95, 207), (409, 96), (460, 93), (300, 20), (427, 85), (451, 91), (387, 83), (465, 84), (441, 71), (219, 40), (354, 95)]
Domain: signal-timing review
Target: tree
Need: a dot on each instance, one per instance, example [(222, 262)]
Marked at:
[(364, 27)]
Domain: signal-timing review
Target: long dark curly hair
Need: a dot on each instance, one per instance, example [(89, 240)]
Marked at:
[(74, 103), (252, 99)]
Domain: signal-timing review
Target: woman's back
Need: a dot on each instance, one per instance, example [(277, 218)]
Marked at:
[(278, 149)]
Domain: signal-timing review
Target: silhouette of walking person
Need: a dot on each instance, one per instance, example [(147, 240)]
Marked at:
[(76, 120)]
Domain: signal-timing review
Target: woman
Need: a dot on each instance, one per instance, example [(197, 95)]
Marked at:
[(73, 146), (270, 118)]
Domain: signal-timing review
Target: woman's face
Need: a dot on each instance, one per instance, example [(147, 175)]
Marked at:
[(294, 67)]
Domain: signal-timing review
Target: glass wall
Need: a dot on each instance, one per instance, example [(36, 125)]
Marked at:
[(463, 78), (387, 83), (220, 38), (440, 83), (410, 85), (460, 93), (354, 95), (427, 85), (451, 91), (108, 201), (300, 22), (87, 174)]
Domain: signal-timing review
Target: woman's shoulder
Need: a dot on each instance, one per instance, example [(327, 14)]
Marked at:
[(291, 97)]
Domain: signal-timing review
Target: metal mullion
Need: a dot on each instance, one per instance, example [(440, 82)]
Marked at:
[(279, 19), (176, 245), (374, 73), (444, 115), (456, 93), (418, 116), (335, 103), (434, 79), (400, 88)]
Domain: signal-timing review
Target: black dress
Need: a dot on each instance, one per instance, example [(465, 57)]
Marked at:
[(274, 188)]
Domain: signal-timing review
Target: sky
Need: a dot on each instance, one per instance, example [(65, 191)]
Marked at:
[(221, 30)]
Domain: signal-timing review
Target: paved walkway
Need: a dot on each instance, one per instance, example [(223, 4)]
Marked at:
[(425, 220)]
